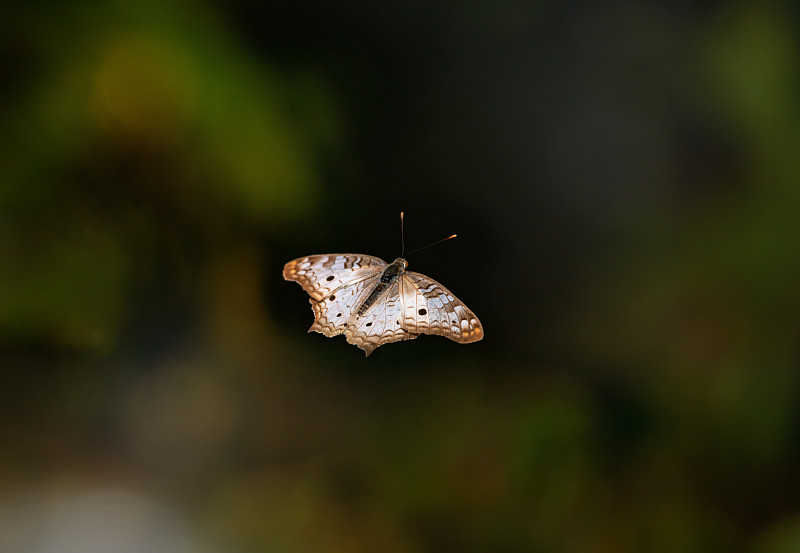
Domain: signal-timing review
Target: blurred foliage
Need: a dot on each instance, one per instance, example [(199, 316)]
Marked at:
[(147, 124), (635, 167)]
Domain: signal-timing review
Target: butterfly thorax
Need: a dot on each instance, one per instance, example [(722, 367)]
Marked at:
[(389, 276), (397, 268)]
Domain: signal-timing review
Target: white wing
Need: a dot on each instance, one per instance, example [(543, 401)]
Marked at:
[(337, 283), (430, 308), (380, 324)]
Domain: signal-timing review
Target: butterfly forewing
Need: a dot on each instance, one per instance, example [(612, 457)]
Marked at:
[(321, 275), (337, 284), (430, 308)]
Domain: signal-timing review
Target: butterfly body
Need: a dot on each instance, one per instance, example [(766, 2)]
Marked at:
[(373, 302), (389, 276)]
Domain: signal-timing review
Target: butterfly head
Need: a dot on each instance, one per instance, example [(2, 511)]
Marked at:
[(401, 264)]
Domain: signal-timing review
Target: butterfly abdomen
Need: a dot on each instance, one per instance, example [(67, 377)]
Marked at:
[(389, 275), (373, 297)]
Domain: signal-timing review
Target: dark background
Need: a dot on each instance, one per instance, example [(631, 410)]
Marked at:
[(625, 184)]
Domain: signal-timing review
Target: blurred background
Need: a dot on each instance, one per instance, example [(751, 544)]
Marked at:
[(625, 184)]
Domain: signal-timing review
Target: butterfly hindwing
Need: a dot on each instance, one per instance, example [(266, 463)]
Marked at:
[(333, 314), (380, 324)]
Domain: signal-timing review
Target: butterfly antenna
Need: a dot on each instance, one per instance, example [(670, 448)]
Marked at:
[(429, 245), (402, 236)]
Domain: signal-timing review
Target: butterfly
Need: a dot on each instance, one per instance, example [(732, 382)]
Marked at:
[(373, 302)]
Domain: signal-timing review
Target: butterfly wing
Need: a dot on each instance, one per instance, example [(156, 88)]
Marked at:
[(321, 275), (427, 307), (337, 283), (380, 324)]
